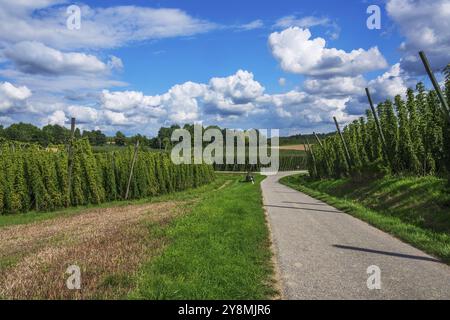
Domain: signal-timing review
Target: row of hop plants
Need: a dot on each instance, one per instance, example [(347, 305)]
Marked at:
[(416, 132), (32, 178), (289, 160), (286, 163)]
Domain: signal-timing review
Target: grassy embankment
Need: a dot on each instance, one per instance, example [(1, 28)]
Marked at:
[(206, 243), (414, 209)]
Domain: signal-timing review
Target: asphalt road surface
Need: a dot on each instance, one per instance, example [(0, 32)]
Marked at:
[(323, 253)]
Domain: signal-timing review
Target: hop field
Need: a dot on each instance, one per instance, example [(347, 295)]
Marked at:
[(32, 178)]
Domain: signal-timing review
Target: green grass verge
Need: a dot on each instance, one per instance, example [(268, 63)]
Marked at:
[(416, 210), (220, 250)]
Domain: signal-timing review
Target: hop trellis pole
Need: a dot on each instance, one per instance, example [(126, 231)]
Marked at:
[(133, 162), (445, 108), (311, 151), (324, 150), (318, 140), (347, 153), (70, 159), (378, 125)]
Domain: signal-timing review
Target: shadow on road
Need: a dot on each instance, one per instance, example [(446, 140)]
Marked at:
[(297, 208), (393, 254), (308, 203)]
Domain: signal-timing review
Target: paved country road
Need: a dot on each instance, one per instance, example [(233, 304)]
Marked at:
[(323, 253)]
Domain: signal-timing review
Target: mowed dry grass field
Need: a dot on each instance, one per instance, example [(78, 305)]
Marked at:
[(211, 242), (108, 244), (297, 147)]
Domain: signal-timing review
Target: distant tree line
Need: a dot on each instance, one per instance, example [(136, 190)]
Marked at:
[(57, 135), (300, 139), (48, 135)]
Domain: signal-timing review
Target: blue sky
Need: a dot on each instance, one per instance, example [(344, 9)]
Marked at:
[(137, 65), (223, 52)]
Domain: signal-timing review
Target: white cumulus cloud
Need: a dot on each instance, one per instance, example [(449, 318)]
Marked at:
[(389, 84), (36, 58), (240, 87), (426, 26), (256, 24), (116, 118), (123, 100), (83, 114), (302, 22), (12, 97), (336, 86), (298, 53), (58, 117), (102, 27)]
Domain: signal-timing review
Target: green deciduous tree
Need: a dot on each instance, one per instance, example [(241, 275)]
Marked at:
[(120, 139)]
